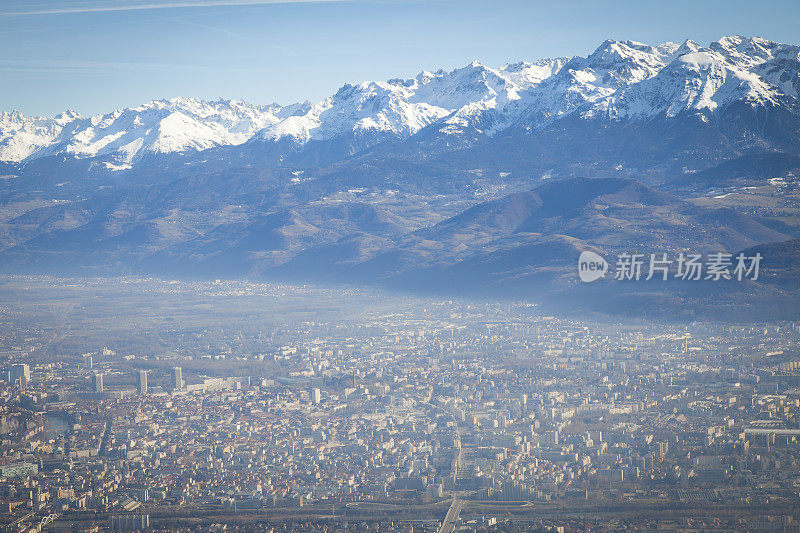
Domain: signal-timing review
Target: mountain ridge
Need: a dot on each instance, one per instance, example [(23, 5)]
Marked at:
[(619, 81)]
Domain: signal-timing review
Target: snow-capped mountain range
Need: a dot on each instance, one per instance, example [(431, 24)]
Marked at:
[(619, 81)]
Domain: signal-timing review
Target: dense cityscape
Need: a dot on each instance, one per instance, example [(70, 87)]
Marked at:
[(419, 415)]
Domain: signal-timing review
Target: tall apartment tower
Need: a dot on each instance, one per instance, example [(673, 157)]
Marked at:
[(177, 378), (97, 382), (21, 373), (316, 395), (142, 386)]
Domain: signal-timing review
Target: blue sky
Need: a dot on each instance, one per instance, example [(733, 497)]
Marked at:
[(97, 55)]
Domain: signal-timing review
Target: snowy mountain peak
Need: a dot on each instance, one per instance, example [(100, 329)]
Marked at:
[(612, 50), (624, 62), (527, 74), (667, 50), (67, 116), (749, 50), (687, 47)]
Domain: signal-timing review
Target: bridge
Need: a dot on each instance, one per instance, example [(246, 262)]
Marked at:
[(449, 524)]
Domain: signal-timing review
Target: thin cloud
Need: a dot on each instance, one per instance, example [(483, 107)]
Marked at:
[(104, 8), (238, 36)]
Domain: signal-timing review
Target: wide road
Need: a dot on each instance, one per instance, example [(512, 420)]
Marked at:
[(449, 524)]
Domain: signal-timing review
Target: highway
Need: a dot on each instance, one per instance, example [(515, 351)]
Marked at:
[(449, 524)]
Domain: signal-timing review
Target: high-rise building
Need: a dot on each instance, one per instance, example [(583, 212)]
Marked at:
[(316, 395), (142, 387), (21, 374), (88, 360), (97, 382), (177, 378)]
